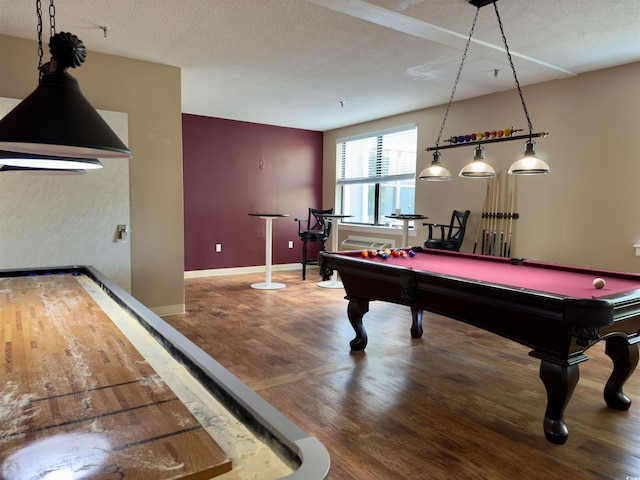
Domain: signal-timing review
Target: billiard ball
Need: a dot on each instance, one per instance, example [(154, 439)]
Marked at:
[(599, 283), (364, 253), (412, 253)]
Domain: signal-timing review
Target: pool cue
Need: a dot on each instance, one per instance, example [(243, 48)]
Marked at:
[(481, 222), (487, 230), (494, 211), (487, 216), (513, 201), (484, 223), (495, 214), (503, 221), (475, 243), (509, 224)]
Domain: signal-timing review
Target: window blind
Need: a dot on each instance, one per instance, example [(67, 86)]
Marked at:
[(388, 155)]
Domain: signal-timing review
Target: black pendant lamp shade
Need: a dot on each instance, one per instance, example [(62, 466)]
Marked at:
[(56, 119)]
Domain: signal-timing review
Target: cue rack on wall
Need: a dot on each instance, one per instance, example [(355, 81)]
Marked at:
[(495, 229)]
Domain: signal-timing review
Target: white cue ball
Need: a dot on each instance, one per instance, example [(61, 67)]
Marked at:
[(599, 283)]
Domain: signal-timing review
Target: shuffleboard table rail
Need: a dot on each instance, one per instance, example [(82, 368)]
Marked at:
[(307, 456)]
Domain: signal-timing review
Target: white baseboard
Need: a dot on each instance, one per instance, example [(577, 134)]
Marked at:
[(165, 310), (217, 272)]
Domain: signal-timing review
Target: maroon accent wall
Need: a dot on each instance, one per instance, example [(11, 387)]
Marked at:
[(234, 168)]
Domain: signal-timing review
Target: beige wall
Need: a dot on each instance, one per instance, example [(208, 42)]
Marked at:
[(586, 212), (150, 94)]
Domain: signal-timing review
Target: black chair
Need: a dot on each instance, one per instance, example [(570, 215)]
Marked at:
[(452, 239), (317, 230)]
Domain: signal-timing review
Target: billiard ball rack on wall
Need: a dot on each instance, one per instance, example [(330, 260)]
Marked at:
[(495, 229), (481, 138)]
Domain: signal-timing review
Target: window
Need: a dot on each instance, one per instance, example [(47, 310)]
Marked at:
[(376, 174)]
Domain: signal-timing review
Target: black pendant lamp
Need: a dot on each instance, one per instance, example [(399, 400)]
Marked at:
[(56, 121)]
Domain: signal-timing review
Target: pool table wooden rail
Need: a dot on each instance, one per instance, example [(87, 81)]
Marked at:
[(557, 328)]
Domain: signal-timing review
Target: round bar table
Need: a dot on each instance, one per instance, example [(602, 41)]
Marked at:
[(333, 282), (268, 284), (406, 218)]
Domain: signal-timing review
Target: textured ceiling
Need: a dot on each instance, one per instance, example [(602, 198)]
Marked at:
[(291, 62)]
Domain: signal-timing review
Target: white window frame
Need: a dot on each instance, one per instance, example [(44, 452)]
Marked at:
[(370, 171)]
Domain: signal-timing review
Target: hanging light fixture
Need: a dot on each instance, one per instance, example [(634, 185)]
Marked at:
[(436, 172), (529, 164), (56, 121), (478, 168)]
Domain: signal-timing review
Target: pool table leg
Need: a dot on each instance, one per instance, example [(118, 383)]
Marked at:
[(355, 311), (625, 360), (416, 322), (560, 381)]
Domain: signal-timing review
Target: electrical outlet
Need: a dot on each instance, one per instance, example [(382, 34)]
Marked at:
[(290, 243), (218, 247)]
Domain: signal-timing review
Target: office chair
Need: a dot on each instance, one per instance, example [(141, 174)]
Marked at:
[(452, 240), (318, 230)]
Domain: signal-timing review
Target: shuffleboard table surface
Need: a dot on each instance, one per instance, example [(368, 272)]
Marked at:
[(79, 398), (94, 385)]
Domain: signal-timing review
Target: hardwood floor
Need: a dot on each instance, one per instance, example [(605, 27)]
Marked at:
[(460, 403)]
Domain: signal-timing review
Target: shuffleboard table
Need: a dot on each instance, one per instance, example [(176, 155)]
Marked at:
[(553, 309), (94, 385)]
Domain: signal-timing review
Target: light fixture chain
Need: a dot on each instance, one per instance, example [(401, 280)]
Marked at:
[(39, 30), (52, 19), (455, 84), (513, 69)]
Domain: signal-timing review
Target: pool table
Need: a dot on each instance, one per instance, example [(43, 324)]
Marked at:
[(94, 382), (553, 309)]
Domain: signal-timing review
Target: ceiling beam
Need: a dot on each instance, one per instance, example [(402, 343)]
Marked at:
[(412, 26)]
